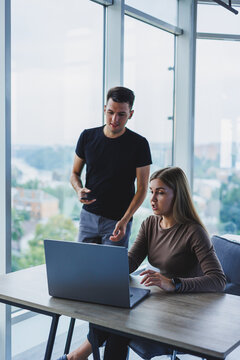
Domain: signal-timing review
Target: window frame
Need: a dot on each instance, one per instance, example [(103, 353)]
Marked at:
[(5, 170)]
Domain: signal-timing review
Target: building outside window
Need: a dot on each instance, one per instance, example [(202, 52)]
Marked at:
[(217, 122), (149, 71), (57, 75)]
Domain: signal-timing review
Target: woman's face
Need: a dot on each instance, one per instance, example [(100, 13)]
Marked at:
[(162, 198)]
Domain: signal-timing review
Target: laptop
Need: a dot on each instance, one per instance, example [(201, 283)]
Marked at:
[(90, 272)]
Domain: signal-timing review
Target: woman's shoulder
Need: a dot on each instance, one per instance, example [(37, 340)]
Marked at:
[(151, 220), (194, 228), (197, 232), (151, 223), (150, 226)]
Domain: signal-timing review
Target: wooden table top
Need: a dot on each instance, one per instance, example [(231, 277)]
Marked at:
[(208, 323)]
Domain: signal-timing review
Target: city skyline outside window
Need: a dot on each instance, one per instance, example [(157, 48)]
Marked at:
[(217, 130), (148, 70), (57, 92), (57, 75)]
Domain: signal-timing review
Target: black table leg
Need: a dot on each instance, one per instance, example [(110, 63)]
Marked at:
[(51, 337), (69, 336)]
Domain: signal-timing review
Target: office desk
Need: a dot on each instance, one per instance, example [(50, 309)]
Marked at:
[(204, 324)]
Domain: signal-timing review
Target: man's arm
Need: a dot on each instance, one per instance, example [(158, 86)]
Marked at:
[(142, 174), (76, 181)]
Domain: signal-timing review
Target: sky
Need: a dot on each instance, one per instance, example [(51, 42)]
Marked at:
[(57, 72)]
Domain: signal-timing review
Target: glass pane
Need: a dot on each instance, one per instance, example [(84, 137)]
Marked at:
[(148, 63), (165, 10), (217, 19), (56, 93), (217, 136)]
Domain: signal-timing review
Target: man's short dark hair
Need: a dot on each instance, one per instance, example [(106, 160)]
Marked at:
[(121, 94)]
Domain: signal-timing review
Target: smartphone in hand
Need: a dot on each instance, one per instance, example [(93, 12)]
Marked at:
[(88, 196)]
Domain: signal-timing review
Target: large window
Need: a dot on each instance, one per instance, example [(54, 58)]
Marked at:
[(57, 75), (217, 135), (148, 70)]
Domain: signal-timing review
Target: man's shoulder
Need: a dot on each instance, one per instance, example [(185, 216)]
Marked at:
[(91, 134), (93, 131), (136, 136), (141, 148), (87, 137)]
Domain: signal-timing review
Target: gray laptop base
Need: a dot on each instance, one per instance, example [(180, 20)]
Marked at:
[(90, 272)]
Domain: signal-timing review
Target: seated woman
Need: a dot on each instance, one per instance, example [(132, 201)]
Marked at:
[(176, 242)]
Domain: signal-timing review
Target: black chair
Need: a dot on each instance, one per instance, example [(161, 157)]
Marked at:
[(149, 349), (228, 253)]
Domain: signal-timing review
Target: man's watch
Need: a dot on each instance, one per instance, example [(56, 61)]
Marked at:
[(177, 283)]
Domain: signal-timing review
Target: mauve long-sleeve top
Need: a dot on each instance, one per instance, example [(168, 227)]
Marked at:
[(183, 251)]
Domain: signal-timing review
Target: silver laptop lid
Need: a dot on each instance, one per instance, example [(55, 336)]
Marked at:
[(88, 272)]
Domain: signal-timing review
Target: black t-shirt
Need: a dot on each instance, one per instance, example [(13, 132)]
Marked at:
[(111, 169)]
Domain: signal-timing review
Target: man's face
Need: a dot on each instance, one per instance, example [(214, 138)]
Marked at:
[(117, 115)]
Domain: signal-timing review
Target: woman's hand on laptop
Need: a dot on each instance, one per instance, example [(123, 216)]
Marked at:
[(153, 278)]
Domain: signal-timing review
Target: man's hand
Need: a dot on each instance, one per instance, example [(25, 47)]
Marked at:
[(153, 278), (82, 196), (119, 231)]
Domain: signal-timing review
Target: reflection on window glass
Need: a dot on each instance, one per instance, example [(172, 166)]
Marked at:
[(217, 136), (148, 64), (56, 93), (165, 10), (217, 19)]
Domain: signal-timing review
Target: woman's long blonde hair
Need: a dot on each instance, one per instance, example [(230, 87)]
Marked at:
[(183, 208)]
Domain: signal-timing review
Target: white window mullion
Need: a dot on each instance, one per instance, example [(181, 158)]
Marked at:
[(5, 173), (185, 87), (150, 20), (114, 44)]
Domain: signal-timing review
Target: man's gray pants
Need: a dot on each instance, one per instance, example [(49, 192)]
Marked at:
[(98, 229)]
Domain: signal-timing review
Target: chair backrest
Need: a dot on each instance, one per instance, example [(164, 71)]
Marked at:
[(228, 253)]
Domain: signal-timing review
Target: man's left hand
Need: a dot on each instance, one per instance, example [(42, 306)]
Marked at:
[(119, 231)]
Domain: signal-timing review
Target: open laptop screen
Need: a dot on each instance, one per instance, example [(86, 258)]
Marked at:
[(88, 272)]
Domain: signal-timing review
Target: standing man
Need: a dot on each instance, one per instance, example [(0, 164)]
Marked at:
[(114, 156)]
